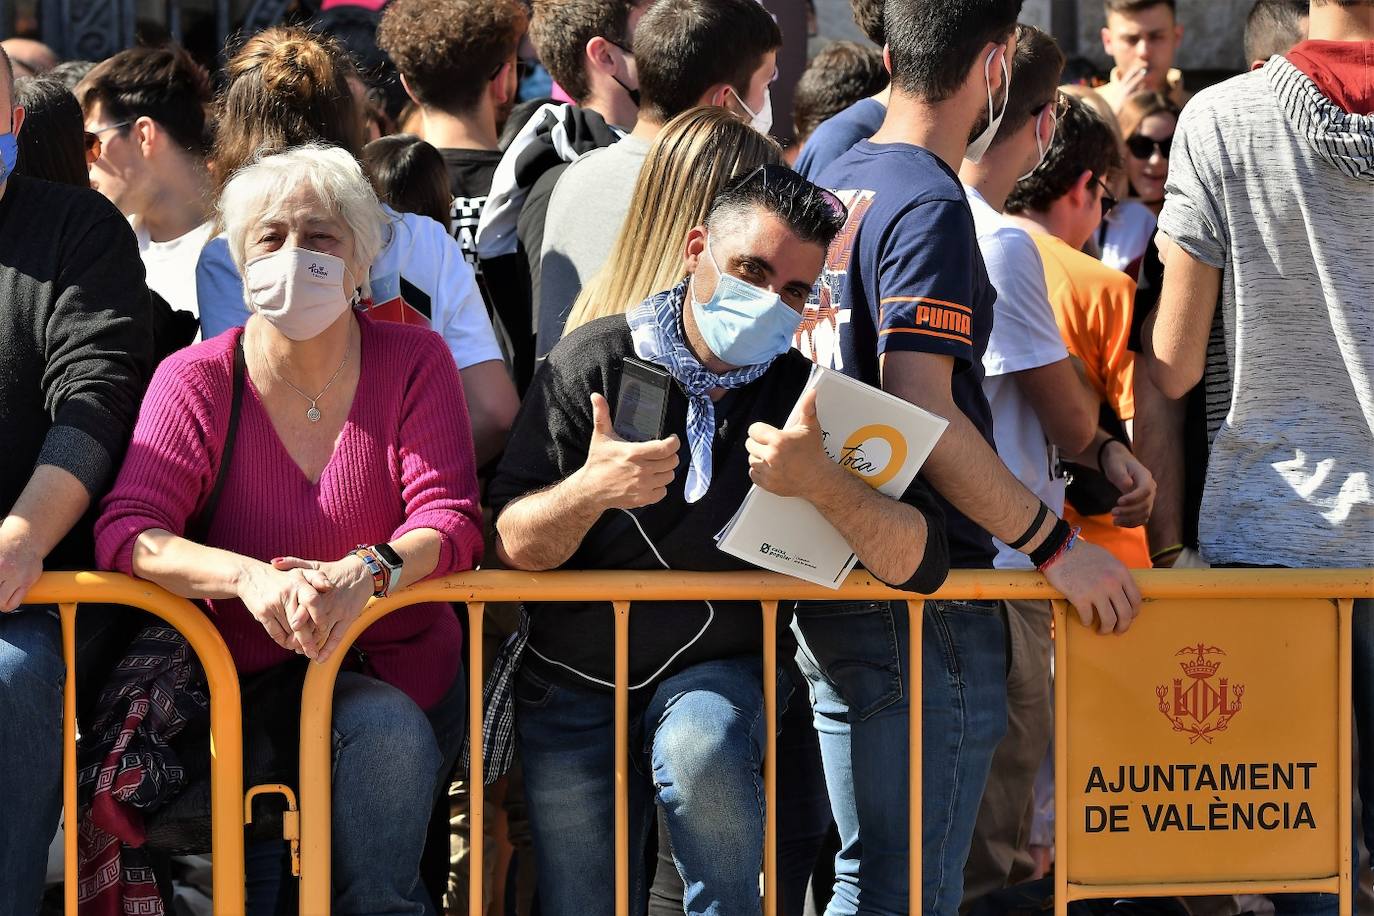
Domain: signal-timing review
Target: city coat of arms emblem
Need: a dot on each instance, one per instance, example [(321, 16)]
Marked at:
[(1200, 704)]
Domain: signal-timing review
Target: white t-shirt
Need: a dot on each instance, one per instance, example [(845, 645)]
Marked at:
[(1125, 236), (1024, 336), (171, 266)]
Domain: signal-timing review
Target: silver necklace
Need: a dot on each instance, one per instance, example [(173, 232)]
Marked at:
[(313, 414)]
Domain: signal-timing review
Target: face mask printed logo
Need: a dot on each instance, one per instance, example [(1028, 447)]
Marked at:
[(318, 271)]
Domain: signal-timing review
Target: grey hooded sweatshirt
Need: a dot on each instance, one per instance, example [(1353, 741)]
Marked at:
[(1273, 184)]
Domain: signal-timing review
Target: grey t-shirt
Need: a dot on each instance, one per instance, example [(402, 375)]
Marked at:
[(1273, 184), (585, 214)]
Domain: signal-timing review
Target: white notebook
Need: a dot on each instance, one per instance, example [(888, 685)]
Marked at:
[(881, 438)]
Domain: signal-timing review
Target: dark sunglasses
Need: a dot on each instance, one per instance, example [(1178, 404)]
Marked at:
[(791, 183), (1108, 201), (522, 70), (1143, 147)]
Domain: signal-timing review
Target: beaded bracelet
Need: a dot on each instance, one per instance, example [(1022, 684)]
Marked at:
[(1067, 546)]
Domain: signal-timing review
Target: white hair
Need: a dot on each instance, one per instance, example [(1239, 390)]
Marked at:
[(256, 191)]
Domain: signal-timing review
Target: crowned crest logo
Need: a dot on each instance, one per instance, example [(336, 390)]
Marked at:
[(1197, 707)]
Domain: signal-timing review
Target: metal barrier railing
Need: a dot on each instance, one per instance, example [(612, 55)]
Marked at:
[(620, 588), (67, 590), (476, 589)]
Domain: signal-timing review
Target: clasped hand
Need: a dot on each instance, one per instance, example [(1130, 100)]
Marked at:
[(306, 606)]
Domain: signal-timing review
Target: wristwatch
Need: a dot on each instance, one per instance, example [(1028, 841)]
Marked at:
[(391, 561)]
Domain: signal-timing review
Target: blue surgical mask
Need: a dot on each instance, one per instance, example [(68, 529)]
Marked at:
[(742, 324), (9, 155)]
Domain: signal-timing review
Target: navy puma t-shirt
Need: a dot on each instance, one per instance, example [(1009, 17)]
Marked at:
[(906, 273)]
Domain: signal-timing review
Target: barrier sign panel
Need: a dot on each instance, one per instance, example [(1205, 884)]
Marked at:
[(1203, 744)]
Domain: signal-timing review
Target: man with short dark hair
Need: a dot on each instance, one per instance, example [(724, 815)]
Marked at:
[(687, 53), (905, 302), (583, 45), (77, 354), (457, 62), (1273, 27), (835, 136), (1269, 214), (1141, 37), (148, 107), (570, 494)]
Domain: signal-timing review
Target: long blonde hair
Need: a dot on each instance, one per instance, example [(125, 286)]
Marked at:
[(694, 157)]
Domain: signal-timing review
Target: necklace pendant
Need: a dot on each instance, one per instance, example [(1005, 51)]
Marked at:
[(313, 414)]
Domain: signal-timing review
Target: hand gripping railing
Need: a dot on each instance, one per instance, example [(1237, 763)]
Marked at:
[(67, 590)]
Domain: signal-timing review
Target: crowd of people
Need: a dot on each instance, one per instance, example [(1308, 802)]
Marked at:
[(304, 331)]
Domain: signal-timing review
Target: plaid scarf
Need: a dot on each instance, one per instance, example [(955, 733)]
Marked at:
[(656, 329), (128, 769)]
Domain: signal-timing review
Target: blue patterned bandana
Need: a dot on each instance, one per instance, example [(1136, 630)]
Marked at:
[(656, 328)]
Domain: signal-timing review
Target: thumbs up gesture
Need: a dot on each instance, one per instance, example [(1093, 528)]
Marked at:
[(625, 475), (790, 461)]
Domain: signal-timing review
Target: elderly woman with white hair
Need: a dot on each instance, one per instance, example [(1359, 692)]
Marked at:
[(290, 470)]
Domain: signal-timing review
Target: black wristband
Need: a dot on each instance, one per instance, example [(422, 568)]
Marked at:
[(1103, 447), (1024, 539), (1059, 536)]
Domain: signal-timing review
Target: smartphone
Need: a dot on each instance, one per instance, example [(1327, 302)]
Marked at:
[(641, 406)]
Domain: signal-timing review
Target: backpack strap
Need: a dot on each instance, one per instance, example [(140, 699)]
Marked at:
[(199, 528)]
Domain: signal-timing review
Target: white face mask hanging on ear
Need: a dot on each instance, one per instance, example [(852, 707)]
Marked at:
[(761, 120), (980, 144), (1043, 149)]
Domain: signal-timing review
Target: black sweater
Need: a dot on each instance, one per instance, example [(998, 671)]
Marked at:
[(76, 343), (549, 442)]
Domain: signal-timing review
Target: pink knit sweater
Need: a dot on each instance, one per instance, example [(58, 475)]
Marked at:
[(404, 460)]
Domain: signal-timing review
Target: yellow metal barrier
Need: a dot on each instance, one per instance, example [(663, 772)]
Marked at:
[(1335, 587), (67, 590), (621, 588)]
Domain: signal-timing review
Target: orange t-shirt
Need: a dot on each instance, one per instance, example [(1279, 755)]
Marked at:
[(1092, 305)]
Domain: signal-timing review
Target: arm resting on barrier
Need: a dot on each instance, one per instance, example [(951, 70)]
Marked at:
[(193, 570), (52, 502), (965, 469)]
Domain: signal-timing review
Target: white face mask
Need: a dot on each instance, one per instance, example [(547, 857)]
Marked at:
[(1042, 149), (761, 120), (980, 144), (300, 292)]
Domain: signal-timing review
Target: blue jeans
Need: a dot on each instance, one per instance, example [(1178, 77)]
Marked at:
[(31, 676), (391, 759), (854, 655), (697, 748)]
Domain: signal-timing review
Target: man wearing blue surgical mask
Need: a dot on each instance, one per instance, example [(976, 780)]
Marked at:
[(572, 493), (74, 331)]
